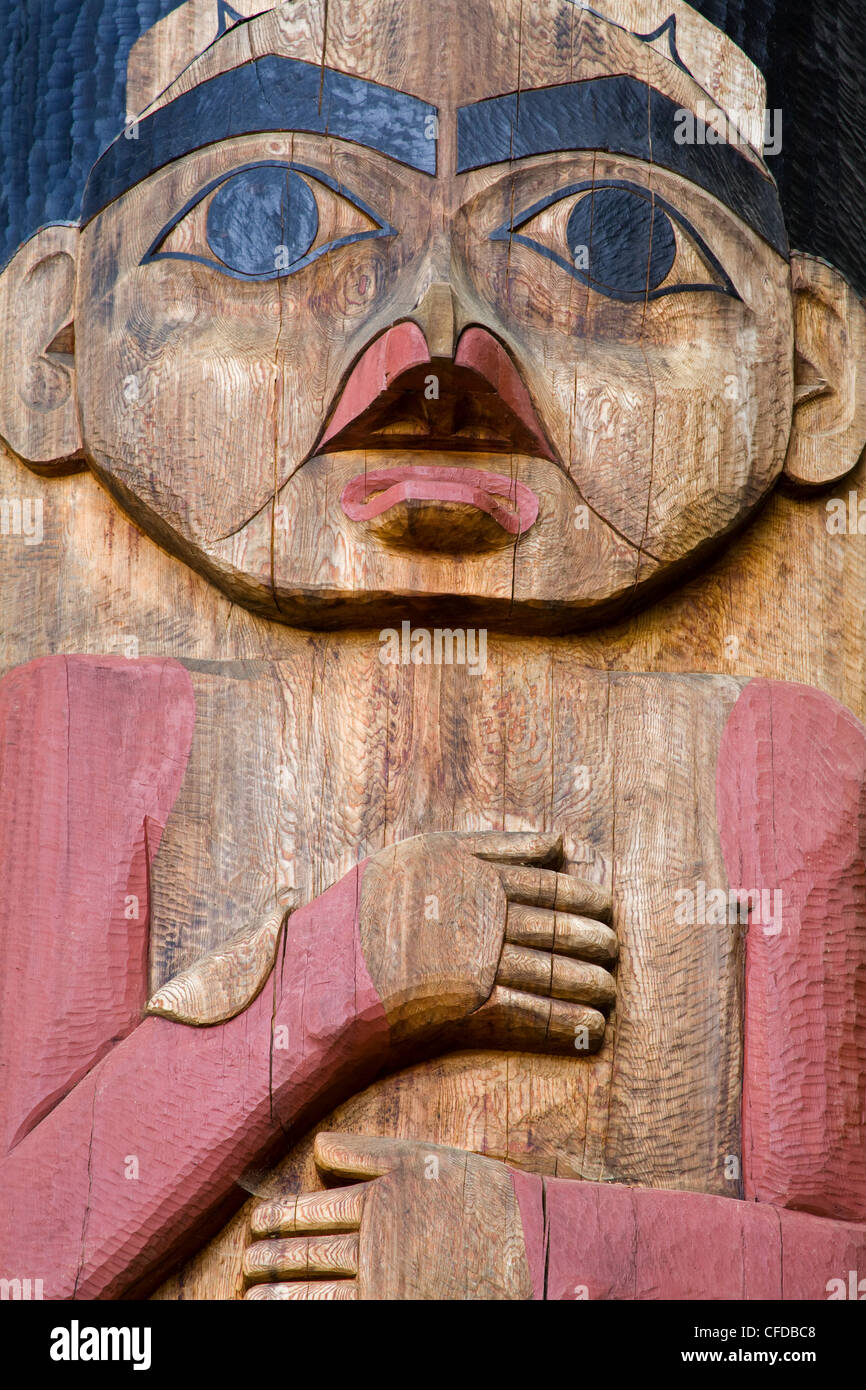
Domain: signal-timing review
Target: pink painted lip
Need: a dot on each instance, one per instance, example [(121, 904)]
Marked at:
[(513, 505)]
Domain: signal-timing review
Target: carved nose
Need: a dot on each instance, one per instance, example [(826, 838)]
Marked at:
[(436, 316)]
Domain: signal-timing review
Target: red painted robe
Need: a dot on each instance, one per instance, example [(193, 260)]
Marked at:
[(125, 1136)]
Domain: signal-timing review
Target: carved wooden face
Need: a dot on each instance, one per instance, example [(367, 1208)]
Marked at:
[(431, 349)]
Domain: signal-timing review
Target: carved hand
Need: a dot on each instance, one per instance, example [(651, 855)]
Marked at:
[(469, 940), (423, 1222), (475, 940)]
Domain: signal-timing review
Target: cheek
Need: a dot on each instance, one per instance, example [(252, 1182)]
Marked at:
[(605, 408), (177, 406), (721, 426), (671, 442), (677, 448), (672, 421), (201, 394), (343, 288)]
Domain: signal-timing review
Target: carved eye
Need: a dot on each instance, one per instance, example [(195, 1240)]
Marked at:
[(265, 221), (258, 210), (621, 239)]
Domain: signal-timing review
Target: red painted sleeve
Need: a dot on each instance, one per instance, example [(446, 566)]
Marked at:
[(128, 1137), (92, 753), (791, 796), (602, 1241), (141, 1162)]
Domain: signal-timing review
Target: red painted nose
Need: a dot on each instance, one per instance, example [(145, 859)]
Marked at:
[(403, 348)]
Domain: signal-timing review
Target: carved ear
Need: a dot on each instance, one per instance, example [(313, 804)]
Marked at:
[(829, 427), (38, 411)]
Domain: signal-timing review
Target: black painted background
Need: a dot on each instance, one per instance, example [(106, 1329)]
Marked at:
[(813, 55), (62, 74)]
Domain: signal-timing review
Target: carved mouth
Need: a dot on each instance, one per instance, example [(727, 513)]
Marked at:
[(400, 400), (510, 503)]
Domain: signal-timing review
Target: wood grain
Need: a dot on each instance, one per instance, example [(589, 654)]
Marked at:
[(135, 1170), (225, 981), (610, 1242), (791, 815), (209, 520)]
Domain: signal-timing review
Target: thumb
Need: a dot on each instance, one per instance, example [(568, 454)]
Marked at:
[(225, 981)]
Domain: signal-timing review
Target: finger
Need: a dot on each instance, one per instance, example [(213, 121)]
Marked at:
[(563, 932), (545, 888), (574, 1028), (338, 1209), (301, 1257), (359, 1155), (539, 972), (513, 1018), (514, 846), (323, 1290)]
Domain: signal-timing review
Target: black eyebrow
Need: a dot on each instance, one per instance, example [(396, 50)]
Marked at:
[(269, 93), (620, 115)]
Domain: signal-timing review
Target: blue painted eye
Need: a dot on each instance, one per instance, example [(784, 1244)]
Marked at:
[(258, 215), (262, 222), (621, 240), (630, 241)]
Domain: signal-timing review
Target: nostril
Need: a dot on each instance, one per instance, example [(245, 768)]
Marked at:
[(399, 394), (484, 354), (396, 351)]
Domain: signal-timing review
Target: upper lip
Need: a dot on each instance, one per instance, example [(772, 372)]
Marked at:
[(398, 397)]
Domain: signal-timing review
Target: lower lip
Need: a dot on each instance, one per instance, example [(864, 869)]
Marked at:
[(513, 505)]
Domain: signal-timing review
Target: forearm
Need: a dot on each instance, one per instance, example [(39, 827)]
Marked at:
[(144, 1154), (603, 1241)]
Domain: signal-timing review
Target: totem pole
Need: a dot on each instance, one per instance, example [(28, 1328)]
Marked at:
[(434, 791)]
